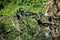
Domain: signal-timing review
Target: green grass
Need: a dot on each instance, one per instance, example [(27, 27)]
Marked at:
[(34, 6)]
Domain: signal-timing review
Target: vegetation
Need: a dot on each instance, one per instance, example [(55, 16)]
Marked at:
[(26, 28)]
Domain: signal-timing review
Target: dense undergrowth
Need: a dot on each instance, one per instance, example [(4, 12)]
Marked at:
[(28, 26)]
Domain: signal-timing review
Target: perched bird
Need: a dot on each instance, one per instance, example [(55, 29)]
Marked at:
[(40, 23)]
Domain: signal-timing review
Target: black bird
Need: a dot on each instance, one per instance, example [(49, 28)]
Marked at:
[(40, 23), (43, 24)]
